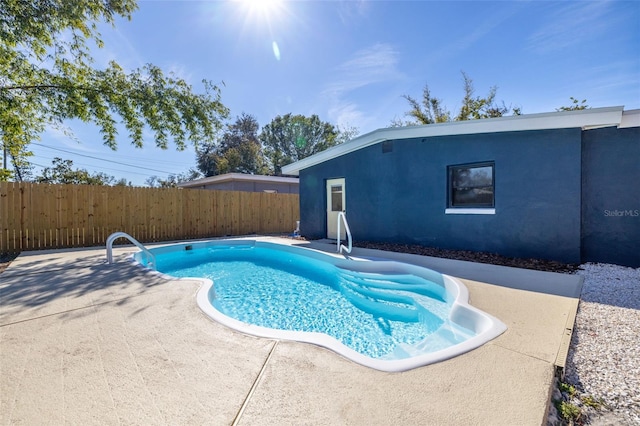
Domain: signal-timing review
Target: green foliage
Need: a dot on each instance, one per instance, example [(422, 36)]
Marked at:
[(239, 150), (431, 110), (568, 389), (290, 138), (574, 407), (5, 174), (46, 77), (122, 182), (568, 411), (173, 180), (62, 172), (592, 402), (475, 107), (16, 157), (347, 133), (576, 105)]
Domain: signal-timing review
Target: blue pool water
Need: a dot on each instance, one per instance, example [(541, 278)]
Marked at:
[(378, 310)]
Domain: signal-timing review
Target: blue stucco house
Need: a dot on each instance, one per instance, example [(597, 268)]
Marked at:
[(561, 186)]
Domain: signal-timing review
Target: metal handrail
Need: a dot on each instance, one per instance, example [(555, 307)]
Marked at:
[(116, 235), (347, 230)]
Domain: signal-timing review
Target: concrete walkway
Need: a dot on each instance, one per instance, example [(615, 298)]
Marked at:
[(82, 342)]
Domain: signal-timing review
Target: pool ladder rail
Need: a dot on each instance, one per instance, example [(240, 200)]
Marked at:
[(341, 247), (151, 259)]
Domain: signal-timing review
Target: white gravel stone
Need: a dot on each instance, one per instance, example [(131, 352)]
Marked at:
[(604, 357)]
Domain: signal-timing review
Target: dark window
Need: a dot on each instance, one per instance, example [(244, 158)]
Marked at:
[(336, 198), (471, 185)]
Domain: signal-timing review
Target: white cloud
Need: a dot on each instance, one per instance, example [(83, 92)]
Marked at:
[(476, 32), (485, 27), (117, 47), (614, 83), (346, 114), (180, 71), (571, 25), (370, 66), (351, 10), (66, 135)]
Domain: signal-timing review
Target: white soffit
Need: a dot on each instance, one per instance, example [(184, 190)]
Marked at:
[(584, 119)]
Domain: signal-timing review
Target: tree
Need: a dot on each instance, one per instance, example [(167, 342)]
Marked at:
[(575, 105), (46, 77), (290, 138), (22, 169), (122, 182), (475, 107), (62, 172), (346, 133), (239, 150), (431, 110), (172, 180)]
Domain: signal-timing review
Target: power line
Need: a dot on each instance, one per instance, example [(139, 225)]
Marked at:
[(100, 159), (92, 166), (118, 156)]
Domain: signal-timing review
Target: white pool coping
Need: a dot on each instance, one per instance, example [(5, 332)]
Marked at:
[(94, 336), (486, 326)]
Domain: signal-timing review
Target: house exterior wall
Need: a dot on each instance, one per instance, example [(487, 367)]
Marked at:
[(611, 196), (401, 196), (251, 186)]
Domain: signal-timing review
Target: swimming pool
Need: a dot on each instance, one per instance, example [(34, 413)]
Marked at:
[(386, 315)]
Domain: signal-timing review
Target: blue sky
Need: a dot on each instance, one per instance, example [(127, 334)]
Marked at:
[(350, 62)]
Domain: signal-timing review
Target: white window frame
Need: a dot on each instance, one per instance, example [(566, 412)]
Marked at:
[(472, 209)]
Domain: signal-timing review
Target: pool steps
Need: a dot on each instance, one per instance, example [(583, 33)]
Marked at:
[(379, 306), (409, 282), (373, 294), (443, 338)]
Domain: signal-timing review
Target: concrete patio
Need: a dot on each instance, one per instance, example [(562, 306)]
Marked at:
[(83, 342)]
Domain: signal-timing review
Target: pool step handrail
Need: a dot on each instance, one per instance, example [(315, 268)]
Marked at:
[(341, 246), (151, 263)]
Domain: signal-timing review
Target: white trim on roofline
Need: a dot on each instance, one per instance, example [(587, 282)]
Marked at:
[(584, 119), (630, 118), (237, 177)]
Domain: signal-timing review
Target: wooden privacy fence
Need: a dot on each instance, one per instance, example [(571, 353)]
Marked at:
[(41, 216)]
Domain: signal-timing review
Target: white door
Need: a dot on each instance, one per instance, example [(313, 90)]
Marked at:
[(335, 205)]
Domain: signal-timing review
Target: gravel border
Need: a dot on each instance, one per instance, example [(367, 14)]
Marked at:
[(604, 357)]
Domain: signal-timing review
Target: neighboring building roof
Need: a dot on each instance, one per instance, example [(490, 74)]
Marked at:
[(236, 177), (584, 119)]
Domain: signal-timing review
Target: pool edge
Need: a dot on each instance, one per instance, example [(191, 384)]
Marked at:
[(491, 326)]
